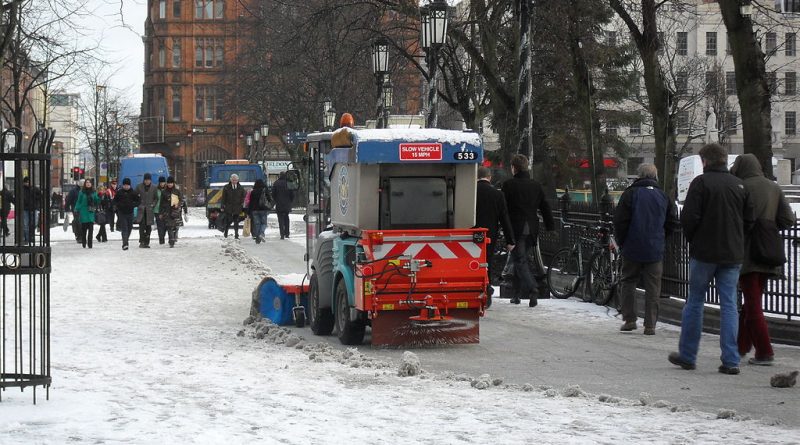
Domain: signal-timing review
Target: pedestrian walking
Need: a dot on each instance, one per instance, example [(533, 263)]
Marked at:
[(30, 213), (232, 202), (283, 203), (716, 214), (145, 216), (491, 213), (770, 209), (125, 201), (525, 200), (643, 219), (161, 225), (170, 205), (5, 208), (100, 217), (72, 199), (112, 191), (258, 208), (87, 205)]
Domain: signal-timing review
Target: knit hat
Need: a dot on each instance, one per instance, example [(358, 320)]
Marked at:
[(126, 181), (170, 180), (162, 179), (147, 176)]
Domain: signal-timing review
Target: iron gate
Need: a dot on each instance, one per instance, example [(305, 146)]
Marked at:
[(25, 261)]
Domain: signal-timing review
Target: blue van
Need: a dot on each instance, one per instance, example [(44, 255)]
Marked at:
[(134, 167)]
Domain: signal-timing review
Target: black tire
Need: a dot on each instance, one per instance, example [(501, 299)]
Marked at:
[(563, 277), (349, 332), (319, 319), (601, 281), (299, 319)]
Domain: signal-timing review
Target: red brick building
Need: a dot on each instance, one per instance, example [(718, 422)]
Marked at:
[(189, 45)]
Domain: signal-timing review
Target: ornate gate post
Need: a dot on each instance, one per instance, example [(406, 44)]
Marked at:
[(25, 261)]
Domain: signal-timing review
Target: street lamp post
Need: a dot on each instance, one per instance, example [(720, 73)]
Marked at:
[(249, 141), (380, 68), (433, 34), (386, 100), (328, 115), (265, 138)]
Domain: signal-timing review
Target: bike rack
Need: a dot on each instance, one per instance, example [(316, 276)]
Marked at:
[(25, 264)]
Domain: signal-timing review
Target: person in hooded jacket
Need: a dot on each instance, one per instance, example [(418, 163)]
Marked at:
[(770, 204), (258, 208), (170, 206), (5, 208), (643, 219), (232, 204), (87, 205), (125, 200), (283, 203)]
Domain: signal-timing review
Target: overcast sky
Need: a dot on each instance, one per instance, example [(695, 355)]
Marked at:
[(121, 42)]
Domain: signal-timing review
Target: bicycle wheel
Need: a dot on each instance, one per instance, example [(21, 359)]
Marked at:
[(602, 278), (563, 274)]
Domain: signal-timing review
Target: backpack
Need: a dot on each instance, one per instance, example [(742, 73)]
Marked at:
[(265, 200)]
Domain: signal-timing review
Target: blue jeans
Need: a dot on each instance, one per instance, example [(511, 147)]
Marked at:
[(700, 275), (29, 221), (259, 218)]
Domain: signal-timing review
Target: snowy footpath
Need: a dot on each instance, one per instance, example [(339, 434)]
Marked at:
[(149, 347)]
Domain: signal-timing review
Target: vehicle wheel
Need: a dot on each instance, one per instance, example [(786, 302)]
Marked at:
[(350, 332), (320, 320), (563, 275), (601, 282)]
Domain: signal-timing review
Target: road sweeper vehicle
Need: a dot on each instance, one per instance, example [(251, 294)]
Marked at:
[(390, 238)]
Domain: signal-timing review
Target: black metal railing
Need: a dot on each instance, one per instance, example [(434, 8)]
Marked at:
[(781, 296)]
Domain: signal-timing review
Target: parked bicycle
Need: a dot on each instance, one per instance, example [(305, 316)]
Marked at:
[(601, 274)]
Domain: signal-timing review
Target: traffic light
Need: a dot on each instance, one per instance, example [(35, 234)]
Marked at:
[(76, 173)]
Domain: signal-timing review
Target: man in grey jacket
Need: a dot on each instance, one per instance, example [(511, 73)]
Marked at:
[(145, 213)]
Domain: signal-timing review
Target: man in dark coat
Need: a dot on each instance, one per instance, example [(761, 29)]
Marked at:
[(232, 202), (642, 220), (125, 201), (769, 204), (490, 213), (283, 203), (146, 215), (170, 203), (525, 200), (716, 214), (30, 209)]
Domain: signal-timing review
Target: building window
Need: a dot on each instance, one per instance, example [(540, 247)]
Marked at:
[(791, 44), (731, 122), (176, 103), (611, 128), (791, 123), (150, 103), (711, 43), (682, 45), (209, 9), (730, 83), (772, 82), (683, 122), (162, 102), (790, 84), (208, 53), (176, 8), (148, 57), (711, 83), (681, 82), (772, 43), (208, 105), (162, 9), (661, 42), (176, 52), (636, 126), (728, 49), (162, 54), (611, 38), (791, 6)]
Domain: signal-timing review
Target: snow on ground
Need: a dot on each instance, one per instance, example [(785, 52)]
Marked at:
[(148, 347)]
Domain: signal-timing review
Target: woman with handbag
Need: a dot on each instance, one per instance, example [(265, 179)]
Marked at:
[(764, 255), (86, 207), (101, 216)]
